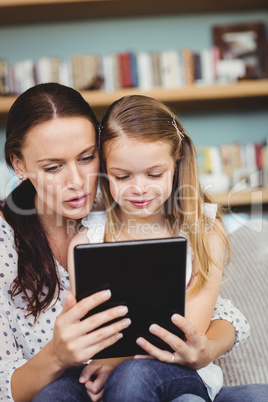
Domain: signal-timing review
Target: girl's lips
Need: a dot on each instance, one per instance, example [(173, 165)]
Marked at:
[(141, 204), (77, 202)]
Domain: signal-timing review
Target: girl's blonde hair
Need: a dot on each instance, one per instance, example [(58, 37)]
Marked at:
[(146, 119)]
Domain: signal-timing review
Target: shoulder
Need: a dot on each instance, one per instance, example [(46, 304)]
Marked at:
[(94, 218)]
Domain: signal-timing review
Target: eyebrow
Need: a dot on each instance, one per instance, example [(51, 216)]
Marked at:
[(58, 160), (126, 170)]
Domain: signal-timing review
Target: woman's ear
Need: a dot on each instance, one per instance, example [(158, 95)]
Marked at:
[(18, 167)]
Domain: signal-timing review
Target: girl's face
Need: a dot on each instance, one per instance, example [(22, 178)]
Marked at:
[(60, 158), (140, 175)]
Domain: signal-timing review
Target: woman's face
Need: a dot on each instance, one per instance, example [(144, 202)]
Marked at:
[(60, 158)]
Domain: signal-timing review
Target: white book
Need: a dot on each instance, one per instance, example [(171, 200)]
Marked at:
[(144, 67), (171, 69), (215, 160), (108, 74), (207, 66)]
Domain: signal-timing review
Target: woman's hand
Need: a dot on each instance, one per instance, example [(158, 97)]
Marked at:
[(193, 352), (76, 341), (95, 374)]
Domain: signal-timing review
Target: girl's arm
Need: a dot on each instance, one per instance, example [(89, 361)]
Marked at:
[(199, 306)]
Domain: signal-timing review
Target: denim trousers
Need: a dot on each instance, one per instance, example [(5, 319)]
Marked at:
[(147, 380)]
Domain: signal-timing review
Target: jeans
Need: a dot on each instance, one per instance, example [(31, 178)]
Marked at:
[(150, 382), (238, 393), (147, 380)]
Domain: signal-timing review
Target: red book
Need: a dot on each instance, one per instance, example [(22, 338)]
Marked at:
[(125, 70)]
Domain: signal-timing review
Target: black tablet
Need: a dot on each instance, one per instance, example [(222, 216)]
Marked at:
[(146, 275)]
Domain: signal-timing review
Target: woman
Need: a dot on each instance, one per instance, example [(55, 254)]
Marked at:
[(51, 145)]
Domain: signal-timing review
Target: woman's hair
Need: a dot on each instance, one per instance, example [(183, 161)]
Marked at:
[(146, 119), (36, 264)]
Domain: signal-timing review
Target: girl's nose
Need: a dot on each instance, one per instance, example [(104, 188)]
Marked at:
[(139, 186)]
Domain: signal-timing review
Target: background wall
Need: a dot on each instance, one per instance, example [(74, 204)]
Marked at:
[(142, 34)]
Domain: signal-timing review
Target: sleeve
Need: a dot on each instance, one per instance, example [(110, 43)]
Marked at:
[(225, 310), (10, 356)]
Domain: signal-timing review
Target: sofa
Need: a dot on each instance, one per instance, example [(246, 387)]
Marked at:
[(246, 284)]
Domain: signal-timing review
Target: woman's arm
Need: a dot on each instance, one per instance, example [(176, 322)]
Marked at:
[(74, 342)]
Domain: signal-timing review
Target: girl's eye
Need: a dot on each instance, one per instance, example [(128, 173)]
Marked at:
[(52, 169), (156, 175), (121, 177)]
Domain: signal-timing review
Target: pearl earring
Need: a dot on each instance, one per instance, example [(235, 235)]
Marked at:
[(21, 176)]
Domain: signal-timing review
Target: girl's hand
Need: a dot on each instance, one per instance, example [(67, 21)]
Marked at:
[(75, 341), (95, 374), (193, 352)]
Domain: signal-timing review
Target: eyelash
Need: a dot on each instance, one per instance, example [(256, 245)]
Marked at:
[(83, 160), (152, 176)]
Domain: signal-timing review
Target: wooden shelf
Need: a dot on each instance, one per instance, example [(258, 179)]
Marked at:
[(36, 11), (239, 91), (245, 197)]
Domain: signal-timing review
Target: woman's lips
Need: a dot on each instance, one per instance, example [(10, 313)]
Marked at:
[(77, 202), (141, 204)]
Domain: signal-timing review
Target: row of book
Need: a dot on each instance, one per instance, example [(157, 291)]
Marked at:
[(238, 162), (144, 70)]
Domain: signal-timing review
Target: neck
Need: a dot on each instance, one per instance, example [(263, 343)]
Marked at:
[(149, 227)]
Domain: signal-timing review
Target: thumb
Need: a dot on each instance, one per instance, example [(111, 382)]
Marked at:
[(70, 302)]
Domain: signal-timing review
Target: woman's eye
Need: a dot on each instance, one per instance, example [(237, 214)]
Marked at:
[(52, 169), (87, 158)]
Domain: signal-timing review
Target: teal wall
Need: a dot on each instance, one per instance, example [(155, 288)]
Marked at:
[(142, 34)]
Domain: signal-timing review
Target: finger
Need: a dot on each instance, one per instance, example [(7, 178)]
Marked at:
[(81, 308), (88, 371), (97, 347), (159, 354), (190, 331), (70, 301), (99, 335), (143, 357), (97, 320)]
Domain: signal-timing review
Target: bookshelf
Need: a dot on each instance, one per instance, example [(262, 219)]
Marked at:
[(241, 198), (238, 91), (35, 11), (190, 98)]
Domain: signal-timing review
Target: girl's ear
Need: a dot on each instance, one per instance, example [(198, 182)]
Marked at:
[(18, 166)]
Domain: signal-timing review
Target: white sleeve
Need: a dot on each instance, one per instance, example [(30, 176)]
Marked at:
[(225, 310)]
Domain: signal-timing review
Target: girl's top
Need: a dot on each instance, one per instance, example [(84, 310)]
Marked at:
[(224, 309)]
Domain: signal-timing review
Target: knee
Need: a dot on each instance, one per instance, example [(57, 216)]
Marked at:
[(131, 377)]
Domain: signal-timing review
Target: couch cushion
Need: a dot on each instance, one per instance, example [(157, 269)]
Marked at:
[(246, 283)]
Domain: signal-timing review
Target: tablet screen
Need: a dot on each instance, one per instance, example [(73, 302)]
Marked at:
[(148, 276)]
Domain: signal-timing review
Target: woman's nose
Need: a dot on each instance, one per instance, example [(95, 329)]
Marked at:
[(74, 179)]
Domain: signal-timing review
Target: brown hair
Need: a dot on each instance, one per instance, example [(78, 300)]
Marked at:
[(146, 119), (36, 264)]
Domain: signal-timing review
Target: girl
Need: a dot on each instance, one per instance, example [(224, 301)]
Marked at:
[(150, 188), (41, 332)]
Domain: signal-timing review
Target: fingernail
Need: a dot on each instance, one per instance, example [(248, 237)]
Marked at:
[(81, 379), (176, 317), (122, 310), (126, 322), (140, 342), (119, 336), (106, 294), (154, 328)]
